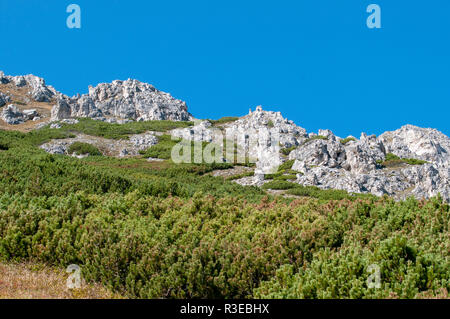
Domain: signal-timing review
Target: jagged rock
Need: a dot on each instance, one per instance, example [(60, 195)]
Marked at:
[(139, 101), (201, 132), (39, 91), (30, 114), (55, 126), (359, 172), (121, 102), (319, 153), (56, 148), (19, 81), (67, 108), (4, 99), (12, 115), (3, 78), (420, 143), (143, 141), (124, 152)]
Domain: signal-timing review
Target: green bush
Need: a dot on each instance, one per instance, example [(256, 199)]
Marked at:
[(80, 148), (206, 247), (315, 137), (224, 120), (278, 185), (287, 151), (348, 139), (118, 131), (393, 160), (286, 166)]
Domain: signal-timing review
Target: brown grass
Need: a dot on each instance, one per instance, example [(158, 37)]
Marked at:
[(37, 281), (20, 97)]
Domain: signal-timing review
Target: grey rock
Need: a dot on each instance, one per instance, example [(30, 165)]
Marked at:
[(135, 100), (121, 102), (419, 143), (12, 115), (4, 99), (30, 114), (143, 141), (56, 148), (70, 121), (124, 152)]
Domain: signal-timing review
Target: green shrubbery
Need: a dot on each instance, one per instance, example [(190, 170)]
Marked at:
[(80, 148), (224, 120), (279, 185), (207, 247), (120, 131), (348, 139), (315, 137), (160, 230), (393, 160), (287, 151)]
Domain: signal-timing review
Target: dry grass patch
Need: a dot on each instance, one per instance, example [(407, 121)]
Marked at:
[(37, 281)]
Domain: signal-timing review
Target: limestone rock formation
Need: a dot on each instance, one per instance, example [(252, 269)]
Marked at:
[(357, 168), (420, 143), (329, 162), (39, 91), (12, 115), (4, 99), (122, 100)]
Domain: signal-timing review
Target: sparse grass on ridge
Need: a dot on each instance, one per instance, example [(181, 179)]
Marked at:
[(38, 281)]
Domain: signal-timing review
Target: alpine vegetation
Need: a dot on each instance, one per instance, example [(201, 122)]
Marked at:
[(150, 202)]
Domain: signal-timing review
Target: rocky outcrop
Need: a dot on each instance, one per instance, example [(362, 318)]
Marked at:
[(329, 162), (109, 147), (39, 91), (117, 101), (201, 132), (12, 115), (420, 143), (67, 108), (122, 100), (358, 168), (4, 99)]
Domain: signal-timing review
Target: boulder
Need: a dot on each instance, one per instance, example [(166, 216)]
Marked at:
[(12, 115), (4, 99)]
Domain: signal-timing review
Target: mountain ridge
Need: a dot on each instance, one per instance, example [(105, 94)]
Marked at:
[(410, 161)]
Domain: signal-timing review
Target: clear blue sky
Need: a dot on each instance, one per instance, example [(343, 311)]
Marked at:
[(314, 60)]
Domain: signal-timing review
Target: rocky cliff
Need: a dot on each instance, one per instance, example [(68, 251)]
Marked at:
[(118, 101), (121, 100)]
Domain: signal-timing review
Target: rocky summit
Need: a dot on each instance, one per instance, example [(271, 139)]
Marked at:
[(410, 161), (116, 102), (130, 99)]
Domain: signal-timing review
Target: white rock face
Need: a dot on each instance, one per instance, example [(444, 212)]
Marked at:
[(117, 101), (355, 169), (132, 99), (200, 132), (120, 101), (4, 99), (420, 143), (39, 91), (12, 115), (261, 134)]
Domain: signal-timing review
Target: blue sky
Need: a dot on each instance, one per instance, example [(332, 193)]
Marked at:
[(315, 61)]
